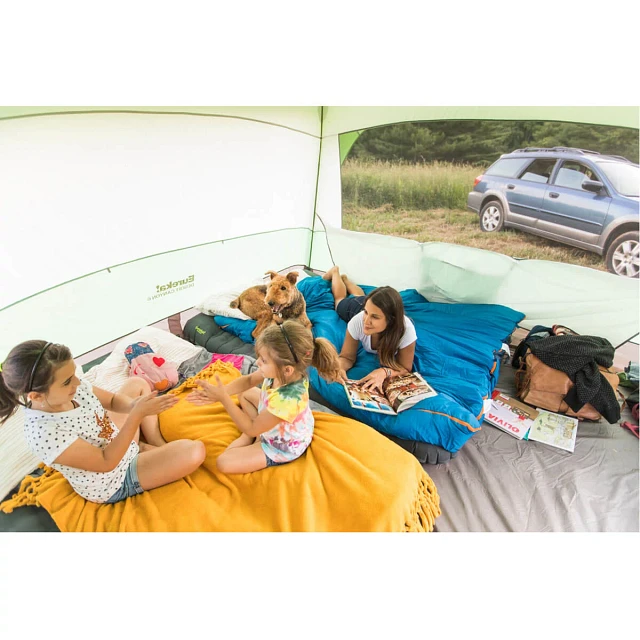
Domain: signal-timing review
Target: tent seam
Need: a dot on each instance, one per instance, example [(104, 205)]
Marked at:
[(161, 113)]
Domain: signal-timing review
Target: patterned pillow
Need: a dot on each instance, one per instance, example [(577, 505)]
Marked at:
[(114, 371)]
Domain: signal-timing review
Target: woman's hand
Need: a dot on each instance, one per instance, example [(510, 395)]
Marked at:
[(374, 380), (152, 404), (208, 393), (339, 376)]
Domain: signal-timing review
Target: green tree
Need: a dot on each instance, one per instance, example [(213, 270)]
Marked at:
[(483, 141)]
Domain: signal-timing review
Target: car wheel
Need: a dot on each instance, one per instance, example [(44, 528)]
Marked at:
[(492, 217), (623, 255)]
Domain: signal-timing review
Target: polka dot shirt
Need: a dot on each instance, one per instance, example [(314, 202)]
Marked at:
[(49, 434)]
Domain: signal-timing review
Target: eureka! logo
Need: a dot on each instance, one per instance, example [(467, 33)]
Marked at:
[(174, 283)]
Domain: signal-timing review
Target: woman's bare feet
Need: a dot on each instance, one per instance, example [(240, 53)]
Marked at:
[(338, 289), (329, 274), (352, 287)]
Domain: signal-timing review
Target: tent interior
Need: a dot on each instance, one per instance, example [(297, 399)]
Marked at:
[(135, 214)]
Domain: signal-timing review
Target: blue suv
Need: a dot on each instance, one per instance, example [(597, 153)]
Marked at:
[(578, 197)]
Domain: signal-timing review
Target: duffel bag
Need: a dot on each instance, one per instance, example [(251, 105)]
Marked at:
[(542, 386)]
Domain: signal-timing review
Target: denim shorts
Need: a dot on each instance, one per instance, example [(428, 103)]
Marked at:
[(272, 463), (350, 306), (131, 485)]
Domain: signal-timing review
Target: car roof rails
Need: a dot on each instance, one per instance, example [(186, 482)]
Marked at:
[(569, 150), (553, 149)]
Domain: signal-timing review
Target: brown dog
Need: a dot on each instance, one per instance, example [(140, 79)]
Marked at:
[(276, 302)]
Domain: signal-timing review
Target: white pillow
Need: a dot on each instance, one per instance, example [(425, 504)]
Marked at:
[(217, 304), (113, 372), (16, 459)]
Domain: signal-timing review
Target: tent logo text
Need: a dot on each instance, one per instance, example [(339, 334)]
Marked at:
[(172, 286)]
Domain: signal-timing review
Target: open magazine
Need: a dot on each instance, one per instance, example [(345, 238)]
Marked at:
[(399, 393), (555, 429)]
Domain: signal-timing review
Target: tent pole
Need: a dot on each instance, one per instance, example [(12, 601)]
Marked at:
[(315, 199)]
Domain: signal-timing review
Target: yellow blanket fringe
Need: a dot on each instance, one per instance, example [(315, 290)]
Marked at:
[(351, 478), (27, 495)]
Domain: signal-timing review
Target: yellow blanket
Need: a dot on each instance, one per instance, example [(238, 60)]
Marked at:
[(351, 478)]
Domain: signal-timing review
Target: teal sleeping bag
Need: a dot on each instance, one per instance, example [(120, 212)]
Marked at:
[(456, 352)]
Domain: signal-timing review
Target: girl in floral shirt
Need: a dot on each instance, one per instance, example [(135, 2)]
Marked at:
[(275, 420)]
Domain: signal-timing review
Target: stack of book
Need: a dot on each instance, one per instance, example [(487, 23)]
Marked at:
[(526, 423), (510, 415)]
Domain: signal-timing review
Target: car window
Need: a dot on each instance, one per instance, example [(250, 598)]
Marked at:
[(625, 177), (573, 174), (539, 170), (507, 167)]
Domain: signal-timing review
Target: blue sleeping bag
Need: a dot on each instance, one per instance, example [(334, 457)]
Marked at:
[(456, 353)]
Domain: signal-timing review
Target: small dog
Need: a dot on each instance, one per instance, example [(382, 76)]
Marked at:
[(276, 302)]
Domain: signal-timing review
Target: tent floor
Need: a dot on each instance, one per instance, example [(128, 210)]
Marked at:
[(499, 483)]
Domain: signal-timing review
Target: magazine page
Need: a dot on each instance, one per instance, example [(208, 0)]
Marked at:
[(555, 429), (405, 391), (513, 417), (366, 400)]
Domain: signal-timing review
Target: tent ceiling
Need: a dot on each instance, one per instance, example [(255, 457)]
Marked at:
[(303, 119), (342, 119)]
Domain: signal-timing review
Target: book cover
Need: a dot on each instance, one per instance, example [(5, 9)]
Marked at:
[(400, 393), (555, 429), (510, 415)]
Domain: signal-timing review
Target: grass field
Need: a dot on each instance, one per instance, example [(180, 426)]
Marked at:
[(424, 186), (427, 203)]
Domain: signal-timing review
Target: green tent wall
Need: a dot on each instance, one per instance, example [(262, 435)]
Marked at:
[(116, 217)]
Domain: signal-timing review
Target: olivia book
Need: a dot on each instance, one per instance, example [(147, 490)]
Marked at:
[(510, 415)]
